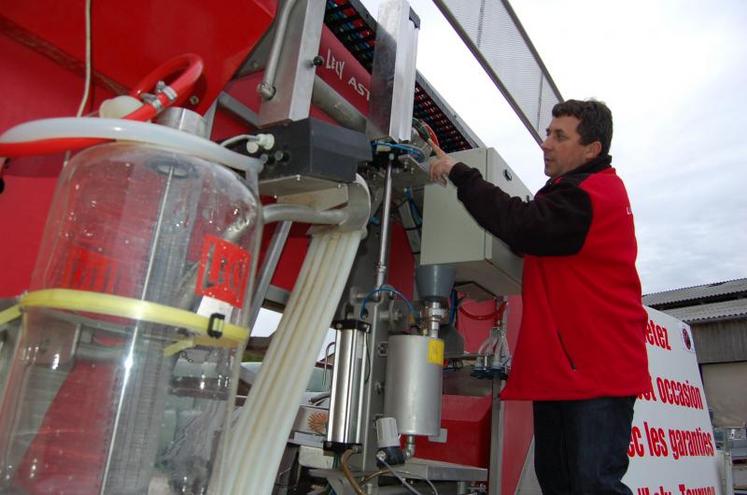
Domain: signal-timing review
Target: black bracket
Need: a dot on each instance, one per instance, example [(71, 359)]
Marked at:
[(352, 324), (215, 325)]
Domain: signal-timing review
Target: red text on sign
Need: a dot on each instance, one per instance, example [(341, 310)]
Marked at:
[(224, 271)]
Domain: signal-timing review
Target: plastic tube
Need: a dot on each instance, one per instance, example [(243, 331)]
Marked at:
[(348, 474), (302, 213), (190, 66), (266, 419), (54, 134)]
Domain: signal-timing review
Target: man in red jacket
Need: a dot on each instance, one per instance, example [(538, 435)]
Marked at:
[(580, 355)]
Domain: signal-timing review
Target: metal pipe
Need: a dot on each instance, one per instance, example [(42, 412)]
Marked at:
[(344, 423), (326, 365), (268, 268), (342, 111), (409, 446), (267, 87), (301, 213), (384, 245), (495, 471)]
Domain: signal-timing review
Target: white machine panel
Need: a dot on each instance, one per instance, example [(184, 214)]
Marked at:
[(450, 235)]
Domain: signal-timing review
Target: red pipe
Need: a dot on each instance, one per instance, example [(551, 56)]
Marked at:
[(497, 314), (188, 66)]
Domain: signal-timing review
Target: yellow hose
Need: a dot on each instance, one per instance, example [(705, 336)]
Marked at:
[(135, 309)]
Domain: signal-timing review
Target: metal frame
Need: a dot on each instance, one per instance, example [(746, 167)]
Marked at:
[(393, 75), (491, 72), (290, 69)]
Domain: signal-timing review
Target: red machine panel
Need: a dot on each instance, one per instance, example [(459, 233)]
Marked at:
[(131, 38)]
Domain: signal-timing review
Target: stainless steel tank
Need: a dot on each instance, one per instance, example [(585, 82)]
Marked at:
[(414, 383)]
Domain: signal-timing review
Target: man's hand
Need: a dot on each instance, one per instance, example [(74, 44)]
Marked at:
[(441, 165)]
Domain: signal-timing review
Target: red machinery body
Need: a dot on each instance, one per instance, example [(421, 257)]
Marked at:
[(42, 46), (43, 49)]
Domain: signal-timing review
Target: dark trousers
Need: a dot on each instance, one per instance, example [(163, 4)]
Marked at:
[(581, 446)]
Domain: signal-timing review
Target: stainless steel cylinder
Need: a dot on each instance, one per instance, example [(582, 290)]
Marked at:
[(347, 387), (414, 379)]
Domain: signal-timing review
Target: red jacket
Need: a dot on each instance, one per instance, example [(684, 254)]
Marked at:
[(583, 323)]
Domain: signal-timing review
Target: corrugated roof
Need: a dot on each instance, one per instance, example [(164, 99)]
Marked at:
[(696, 292), (713, 311)]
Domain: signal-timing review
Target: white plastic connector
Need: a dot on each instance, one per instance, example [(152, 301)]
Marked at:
[(118, 107), (386, 433), (264, 141)]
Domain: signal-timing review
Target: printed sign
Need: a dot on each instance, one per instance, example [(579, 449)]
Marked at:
[(672, 450), (223, 272)]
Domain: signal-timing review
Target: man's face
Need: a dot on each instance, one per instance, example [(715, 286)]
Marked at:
[(562, 147)]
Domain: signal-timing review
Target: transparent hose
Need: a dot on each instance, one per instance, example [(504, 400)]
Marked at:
[(46, 130)]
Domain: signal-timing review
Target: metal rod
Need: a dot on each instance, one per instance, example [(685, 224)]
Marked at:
[(267, 87), (384, 245), (129, 361), (326, 365), (496, 439), (337, 107), (274, 251)]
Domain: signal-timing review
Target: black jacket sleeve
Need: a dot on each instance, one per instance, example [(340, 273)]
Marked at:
[(555, 223)]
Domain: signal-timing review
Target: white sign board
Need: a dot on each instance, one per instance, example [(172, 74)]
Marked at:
[(672, 450)]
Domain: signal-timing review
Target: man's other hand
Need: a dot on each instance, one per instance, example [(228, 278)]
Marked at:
[(441, 165)]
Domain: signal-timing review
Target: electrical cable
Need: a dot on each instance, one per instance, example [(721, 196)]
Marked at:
[(414, 211), (425, 132), (401, 479), (419, 477), (378, 473), (87, 83), (432, 134)]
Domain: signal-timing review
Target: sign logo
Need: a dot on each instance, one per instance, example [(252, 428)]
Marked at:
[(223, 272)]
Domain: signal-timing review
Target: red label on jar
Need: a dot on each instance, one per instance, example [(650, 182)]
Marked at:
[(87, 270), (224, 271)]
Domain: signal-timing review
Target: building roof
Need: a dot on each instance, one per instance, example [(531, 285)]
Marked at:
[(695, 293), (724, 310)]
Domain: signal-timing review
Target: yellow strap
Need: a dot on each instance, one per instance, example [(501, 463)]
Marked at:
[(10, 314), (135, 309)]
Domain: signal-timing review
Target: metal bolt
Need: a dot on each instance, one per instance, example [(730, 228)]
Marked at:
[(318, 60), (194, 100), (382, 349), (507, 174)]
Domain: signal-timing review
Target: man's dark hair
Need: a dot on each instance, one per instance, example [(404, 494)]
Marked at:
[(595, 117)]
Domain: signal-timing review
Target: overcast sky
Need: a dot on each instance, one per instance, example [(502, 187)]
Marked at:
[(674, 74)]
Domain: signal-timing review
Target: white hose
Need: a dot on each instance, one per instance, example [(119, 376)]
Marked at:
[(262, 430), (130, 130)]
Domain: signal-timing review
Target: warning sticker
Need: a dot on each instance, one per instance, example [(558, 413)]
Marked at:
[(224, 271), (436, 352)]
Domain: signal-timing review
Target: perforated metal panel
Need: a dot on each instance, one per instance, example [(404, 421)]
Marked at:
[(496, 38), (356, 29)]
